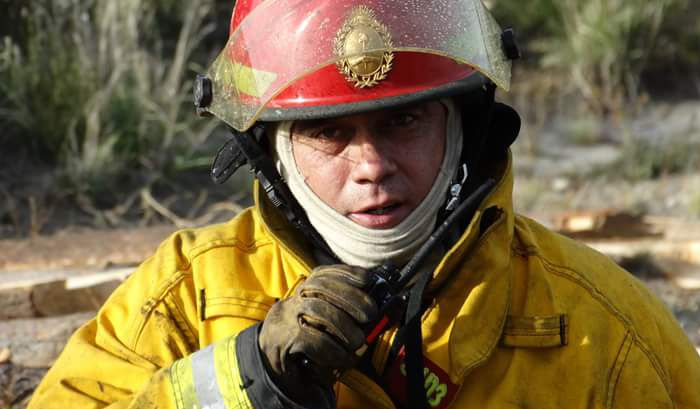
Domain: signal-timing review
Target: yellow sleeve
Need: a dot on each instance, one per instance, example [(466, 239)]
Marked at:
[(92, 375), (123, 357), (88, 377)]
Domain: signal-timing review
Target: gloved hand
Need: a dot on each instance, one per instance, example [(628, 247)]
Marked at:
[(323, 322)]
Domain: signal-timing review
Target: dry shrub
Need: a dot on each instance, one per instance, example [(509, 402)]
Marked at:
[(602, 47), (88, 86)]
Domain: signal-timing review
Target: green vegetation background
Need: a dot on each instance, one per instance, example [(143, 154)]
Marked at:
[(95, 94)]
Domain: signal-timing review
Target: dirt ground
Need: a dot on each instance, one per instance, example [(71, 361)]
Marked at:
[(82, 249)]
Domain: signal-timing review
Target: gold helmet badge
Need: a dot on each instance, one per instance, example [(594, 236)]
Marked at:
[(365, 43)]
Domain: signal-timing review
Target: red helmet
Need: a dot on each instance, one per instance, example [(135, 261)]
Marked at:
[(304, 59)]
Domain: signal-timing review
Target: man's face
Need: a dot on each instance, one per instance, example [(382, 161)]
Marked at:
[(374, 168)]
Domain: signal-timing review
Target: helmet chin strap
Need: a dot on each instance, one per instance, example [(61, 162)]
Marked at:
[(245, 148)]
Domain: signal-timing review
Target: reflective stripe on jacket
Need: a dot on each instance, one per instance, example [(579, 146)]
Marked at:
[(522, 318)]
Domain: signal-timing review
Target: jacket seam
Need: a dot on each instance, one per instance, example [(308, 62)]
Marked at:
[(616, 371), (246, 248), (181, 314), (531, 333), (578, 279), (150, 304), (180, 321), (522, 250), (632, 340), (638, 343)]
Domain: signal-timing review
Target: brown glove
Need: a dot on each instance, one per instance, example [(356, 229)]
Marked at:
[(322, 322)]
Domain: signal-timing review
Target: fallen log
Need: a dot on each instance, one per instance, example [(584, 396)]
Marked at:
[(56, 293)]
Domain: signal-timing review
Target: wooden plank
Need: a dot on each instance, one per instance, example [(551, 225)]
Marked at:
[(679, 261), (57, 298), (672, 245), (686, 251), (76, 278), (16, 303), (604, 223), (607, 223)]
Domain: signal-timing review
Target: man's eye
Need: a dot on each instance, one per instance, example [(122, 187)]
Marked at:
[(403, 120), (329, 133)]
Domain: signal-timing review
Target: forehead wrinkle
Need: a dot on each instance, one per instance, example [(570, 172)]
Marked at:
[(341, 155)]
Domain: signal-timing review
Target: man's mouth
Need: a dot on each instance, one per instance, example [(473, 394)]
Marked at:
[(381, 216), (382, 210)]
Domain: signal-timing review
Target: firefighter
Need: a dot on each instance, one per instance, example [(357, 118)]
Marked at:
[(383, 264)]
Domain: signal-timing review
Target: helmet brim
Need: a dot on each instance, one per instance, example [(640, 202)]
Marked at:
[(472, 83)]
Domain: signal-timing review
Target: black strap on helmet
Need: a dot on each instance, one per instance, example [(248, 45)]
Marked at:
[(245, 148)]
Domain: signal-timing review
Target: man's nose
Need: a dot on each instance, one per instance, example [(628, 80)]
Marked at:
[(374, 161)]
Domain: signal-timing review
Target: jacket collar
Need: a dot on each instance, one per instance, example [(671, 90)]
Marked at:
[(473, 283)]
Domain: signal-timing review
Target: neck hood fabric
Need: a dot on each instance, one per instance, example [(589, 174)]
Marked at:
[(358, 245)]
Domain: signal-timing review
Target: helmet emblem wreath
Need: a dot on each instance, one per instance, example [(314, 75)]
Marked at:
[(364, 42)]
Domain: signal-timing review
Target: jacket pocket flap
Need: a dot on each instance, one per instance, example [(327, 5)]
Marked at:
[(536, 332), (232, 302)]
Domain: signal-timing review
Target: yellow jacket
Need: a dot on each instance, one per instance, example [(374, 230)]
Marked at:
[(528, 319)]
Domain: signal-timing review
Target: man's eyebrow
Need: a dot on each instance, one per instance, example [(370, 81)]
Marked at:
[(302, 126), (412, 107), (312, 124)]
